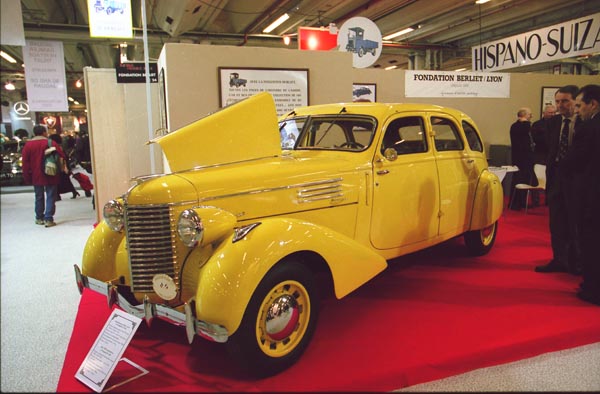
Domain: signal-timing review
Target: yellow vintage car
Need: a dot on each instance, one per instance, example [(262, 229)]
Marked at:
[(238, 240)]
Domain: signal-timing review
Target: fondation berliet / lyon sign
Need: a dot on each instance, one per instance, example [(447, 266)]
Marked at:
[(576, 37)]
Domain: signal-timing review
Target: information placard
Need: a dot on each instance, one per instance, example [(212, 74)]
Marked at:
[(100, 362), (289, 87)]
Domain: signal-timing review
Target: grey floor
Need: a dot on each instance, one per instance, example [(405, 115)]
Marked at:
[(39, 302)]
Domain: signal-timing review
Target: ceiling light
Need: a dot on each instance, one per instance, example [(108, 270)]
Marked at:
[(461, 69), (71, 99), (9, 86), (398, 33), (287, 40), (7, 57), (481, 1), (390, 67), (275, 24), (78, 83)]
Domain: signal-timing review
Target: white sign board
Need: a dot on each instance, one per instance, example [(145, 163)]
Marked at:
[(11, 28), (45, 76), (106, 352), (110, 18), (456, 84), (569, 39), (289, 87)]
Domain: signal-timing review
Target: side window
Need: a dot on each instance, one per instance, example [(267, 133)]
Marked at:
[(446, 135), (472, 137), (405, 135)]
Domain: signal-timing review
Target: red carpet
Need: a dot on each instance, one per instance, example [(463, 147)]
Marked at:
[(430, 315)]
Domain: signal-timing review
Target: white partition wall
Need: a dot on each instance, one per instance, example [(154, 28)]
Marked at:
[(118, 127)]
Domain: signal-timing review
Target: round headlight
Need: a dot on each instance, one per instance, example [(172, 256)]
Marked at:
[(113, 215), (190, 228)]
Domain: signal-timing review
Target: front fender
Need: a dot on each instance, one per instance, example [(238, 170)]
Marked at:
[(229, 278), (99, 254), (489, 201)]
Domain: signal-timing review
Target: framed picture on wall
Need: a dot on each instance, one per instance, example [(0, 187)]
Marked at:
[(364, 92), (547, 97), (289, 87)]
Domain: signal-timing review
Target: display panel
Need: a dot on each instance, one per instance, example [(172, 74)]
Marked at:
[(289, 87)]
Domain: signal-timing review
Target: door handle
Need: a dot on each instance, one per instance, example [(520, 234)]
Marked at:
[(382, 172)]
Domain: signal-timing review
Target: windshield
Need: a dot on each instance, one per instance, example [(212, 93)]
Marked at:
[(329, 132)]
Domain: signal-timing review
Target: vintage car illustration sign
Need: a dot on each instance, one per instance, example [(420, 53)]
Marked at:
[(362, 37)]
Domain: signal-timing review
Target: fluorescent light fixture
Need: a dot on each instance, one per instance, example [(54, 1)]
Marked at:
[(390, 67), (481, 1), (7, 57), (275, 24), (398, 33), (9, 86), (461, 69)]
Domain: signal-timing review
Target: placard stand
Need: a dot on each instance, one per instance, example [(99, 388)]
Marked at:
[(106, 353), (143, 372)]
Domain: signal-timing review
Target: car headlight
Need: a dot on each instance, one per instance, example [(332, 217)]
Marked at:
[(113, 215), (190, 228)]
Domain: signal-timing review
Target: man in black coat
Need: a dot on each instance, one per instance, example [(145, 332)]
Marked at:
[(584, 158), (521, 147), (561, 129)]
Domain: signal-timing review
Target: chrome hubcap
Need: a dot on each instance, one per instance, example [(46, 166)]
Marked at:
[(282, 317)]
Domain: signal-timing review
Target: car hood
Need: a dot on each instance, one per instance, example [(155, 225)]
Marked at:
[(243, 131)]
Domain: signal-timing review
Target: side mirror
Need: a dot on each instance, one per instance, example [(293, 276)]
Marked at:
[(390, 154)]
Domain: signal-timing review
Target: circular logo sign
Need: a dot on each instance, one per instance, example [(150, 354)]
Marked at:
[(21, 108), (362, 37), (164, 286)]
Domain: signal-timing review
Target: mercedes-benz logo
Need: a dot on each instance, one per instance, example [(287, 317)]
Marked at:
[(21, 108)]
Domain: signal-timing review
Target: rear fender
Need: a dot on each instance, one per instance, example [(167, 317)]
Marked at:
[(231, 275), (489, 201)]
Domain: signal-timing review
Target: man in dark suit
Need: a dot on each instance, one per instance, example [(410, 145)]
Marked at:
[(558, 185), (584, 158)]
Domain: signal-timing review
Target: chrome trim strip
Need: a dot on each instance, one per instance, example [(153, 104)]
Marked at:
[(273, 189)]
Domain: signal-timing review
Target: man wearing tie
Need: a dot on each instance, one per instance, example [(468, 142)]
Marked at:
[(559, 186), (583, 158)]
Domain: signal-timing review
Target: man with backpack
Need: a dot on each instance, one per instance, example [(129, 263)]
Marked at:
[(33, 156)]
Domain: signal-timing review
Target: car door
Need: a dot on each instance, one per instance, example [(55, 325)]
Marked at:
[(405, 188), (457, 171)]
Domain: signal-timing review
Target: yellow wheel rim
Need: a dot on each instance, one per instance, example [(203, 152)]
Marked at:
[(283, 318)]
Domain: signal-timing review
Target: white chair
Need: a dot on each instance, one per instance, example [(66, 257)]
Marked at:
[(540, 173)]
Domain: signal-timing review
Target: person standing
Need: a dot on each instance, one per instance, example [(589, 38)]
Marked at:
[(539, 134), (584, 158), (33, 174), (562, 224), (521, 147)]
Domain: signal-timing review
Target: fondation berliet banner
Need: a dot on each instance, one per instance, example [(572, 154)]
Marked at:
[(452, 84)]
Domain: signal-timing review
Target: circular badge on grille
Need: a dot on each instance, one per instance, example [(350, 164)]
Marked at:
[(164, 286)]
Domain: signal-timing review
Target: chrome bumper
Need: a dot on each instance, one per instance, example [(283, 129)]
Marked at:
[(149, 311)]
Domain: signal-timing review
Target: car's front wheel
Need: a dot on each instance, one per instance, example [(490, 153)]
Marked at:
[(279, 320), (479, 242)]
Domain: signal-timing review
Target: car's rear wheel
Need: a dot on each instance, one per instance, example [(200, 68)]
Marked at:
[(479, 242), (279, 320)]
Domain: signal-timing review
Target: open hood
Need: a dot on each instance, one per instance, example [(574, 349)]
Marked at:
[(242, 131)]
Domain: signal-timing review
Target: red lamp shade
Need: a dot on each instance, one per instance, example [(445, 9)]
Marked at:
[(316, 39)]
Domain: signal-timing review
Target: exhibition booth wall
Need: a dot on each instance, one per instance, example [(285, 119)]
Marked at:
[(191, 86)]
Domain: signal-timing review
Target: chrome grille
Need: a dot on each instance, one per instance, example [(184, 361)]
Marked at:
[(150, 243)]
